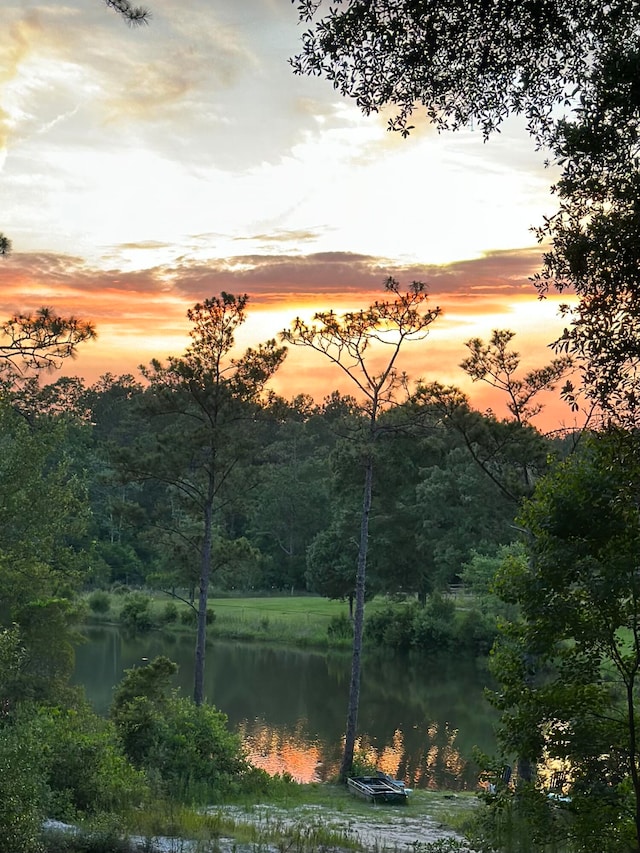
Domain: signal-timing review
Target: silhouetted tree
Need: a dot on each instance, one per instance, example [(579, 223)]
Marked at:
[(346, 342)]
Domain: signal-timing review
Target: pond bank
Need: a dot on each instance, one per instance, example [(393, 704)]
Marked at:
[(338, 823), (426, 820)]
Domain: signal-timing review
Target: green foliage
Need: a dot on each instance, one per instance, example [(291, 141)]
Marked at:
[(43, 519), (99, 601), (63, 764), (107, 840), (189, 616), (340, 627), (135, 614), (594, 250), (392, 626), (40, 647), (22, 791), (82, 763), (568, 669), (520, 821), (195, 755), (435, 627), (170, 613), (186, 749)]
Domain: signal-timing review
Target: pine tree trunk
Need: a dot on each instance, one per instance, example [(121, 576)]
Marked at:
[(203, 598), (358, 625)]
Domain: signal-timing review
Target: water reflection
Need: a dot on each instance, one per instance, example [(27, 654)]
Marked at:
[(419, 720)]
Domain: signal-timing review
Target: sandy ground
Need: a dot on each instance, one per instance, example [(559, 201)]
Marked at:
[(384, 828)]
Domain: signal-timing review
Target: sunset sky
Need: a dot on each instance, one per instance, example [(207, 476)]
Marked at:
[(145, 169)]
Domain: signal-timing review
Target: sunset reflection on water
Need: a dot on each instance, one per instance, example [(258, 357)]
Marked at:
[(438, 764)]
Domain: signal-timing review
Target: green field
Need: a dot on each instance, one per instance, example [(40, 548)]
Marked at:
[(298, 620)]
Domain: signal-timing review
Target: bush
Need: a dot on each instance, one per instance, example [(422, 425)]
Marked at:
[(186, 749), (135, 613), (196, 754), (84, 766), (477, 632), (340, 627), (190, 616), (434, 628), (22, 792), (108, 840), (392, 626), (99, 601), (170, 613)]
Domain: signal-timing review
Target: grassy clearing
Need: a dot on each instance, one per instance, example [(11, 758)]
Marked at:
[(294, 620), (304, 620)]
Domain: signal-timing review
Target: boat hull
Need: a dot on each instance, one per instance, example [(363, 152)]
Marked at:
[(375, 789)]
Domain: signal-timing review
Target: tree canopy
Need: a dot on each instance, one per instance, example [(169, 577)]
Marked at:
[(459, 60), (134, 15), (569, 665)]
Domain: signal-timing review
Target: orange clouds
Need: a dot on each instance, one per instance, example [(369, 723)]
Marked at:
[(141, 314)]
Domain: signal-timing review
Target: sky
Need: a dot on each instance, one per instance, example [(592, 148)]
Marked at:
[(145, 169)]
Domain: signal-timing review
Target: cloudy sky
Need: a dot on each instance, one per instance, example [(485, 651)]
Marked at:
[(145, 169)]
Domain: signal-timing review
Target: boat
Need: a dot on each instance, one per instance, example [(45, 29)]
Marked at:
[(378, 789)]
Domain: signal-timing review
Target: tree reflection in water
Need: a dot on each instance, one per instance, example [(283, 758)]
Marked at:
[(440, 765), (419, 719)]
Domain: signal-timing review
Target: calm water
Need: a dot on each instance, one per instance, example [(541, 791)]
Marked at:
[(419, 720)]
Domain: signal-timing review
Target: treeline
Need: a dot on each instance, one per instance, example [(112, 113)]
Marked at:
[(113, 481)]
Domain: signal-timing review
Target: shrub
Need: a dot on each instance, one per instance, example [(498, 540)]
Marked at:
[(170, 613), (190, 616), (434, 628), (477, 632), (340, 627), (22, 792), (135, 613), (187, 749), (84, 766), (99, 601), (393, 626)]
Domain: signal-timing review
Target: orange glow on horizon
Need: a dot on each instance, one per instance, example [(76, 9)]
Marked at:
[(135, 337)]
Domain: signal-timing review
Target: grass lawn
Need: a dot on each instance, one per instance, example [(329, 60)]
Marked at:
[(303, 619)]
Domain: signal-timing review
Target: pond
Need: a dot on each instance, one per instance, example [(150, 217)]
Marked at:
[(419, 718)]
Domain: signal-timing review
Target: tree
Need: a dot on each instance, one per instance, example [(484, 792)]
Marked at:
[(197, 406), (290, 504), (462, 61), (331, 557), (43, 519), (41, 340), (496, 365), (134, 15), (479, 61), (594, 247), (511, 454), (569, 667), (346, 342)]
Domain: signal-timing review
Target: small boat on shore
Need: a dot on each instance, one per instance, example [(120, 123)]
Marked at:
[(378, 789)]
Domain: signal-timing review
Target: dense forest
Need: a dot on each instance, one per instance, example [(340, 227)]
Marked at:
[(116, 478)]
